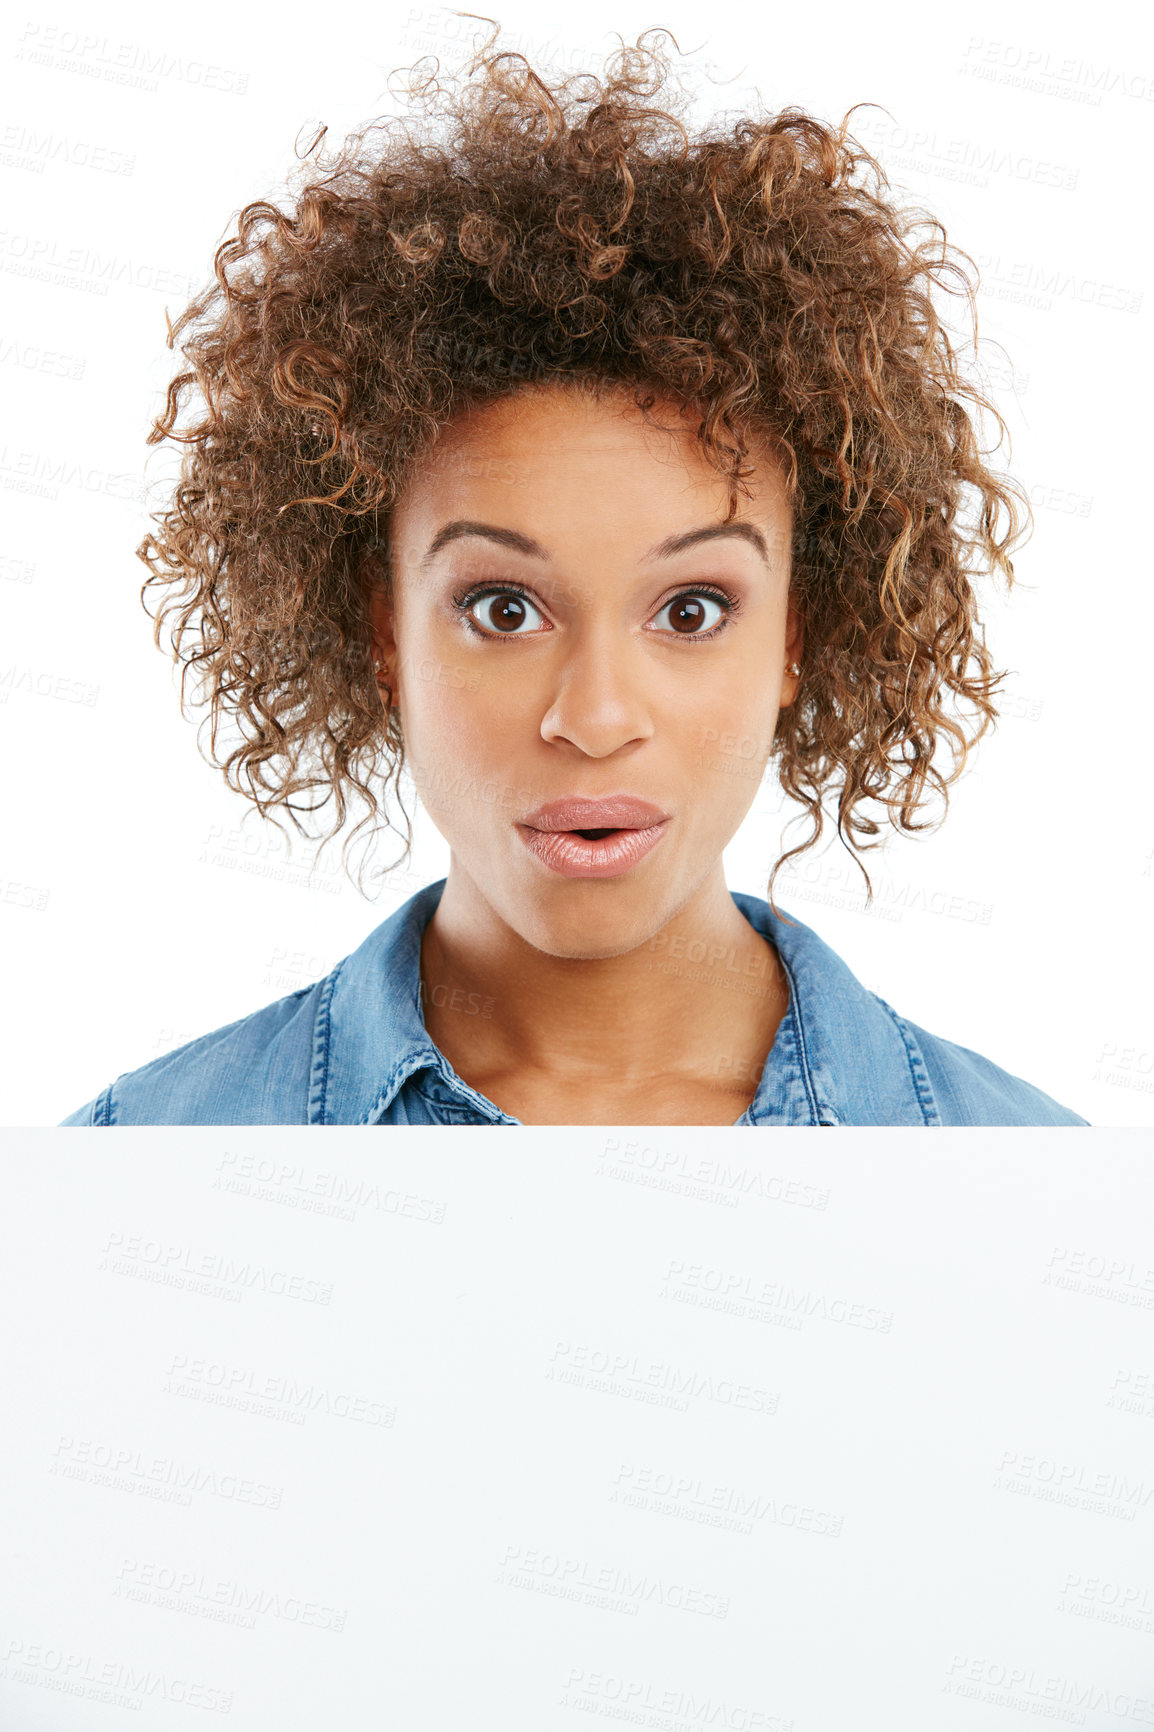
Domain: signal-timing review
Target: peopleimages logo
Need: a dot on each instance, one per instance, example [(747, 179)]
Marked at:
[(752, 1296), (126, 63), (703, 1178), (118, 1683), (968, 160), (18, 895), (46, 258), (42, 475), (1030, 67), (27, 148), (1035, 1692), (299, 1186), (1039, 285), (609, 1587), (653, 1381), (217, 1384), (31, 358), (1075, 1477), (206, 1271), (1103, 1601), (689, 1498), (219, 1598), (670, 1708), (1073, 1484), (1101, 1275), (39, 683), (124, 1468)]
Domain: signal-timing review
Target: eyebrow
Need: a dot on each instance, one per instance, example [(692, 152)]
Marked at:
[(519, 543)]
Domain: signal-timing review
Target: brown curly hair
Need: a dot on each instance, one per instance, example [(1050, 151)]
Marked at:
[(504, 230)]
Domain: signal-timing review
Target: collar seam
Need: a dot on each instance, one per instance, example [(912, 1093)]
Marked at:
[(466, 1094), (319, 1079), (458, 1107), (923, 1088), (411, 1064), (471, 1096), (818, 1105)]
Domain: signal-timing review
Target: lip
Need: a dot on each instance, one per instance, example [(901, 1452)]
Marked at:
[(550, 832), (573, 856), (615, 812)]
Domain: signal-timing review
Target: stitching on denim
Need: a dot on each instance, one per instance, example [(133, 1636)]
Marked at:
[(793, 1017), (471, 1105), (452, 1115), (102, 1113), (404, 1068), (319, 1078), (919, 1076), (412, 1065), (474, 1103), (378, 1101)]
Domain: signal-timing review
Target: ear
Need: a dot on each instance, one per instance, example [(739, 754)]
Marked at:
[(794, 630), (794, 648), (379, 609)]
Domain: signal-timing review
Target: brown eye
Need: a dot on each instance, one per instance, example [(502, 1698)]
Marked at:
[(507, 612), (688, 616), (504, 613)]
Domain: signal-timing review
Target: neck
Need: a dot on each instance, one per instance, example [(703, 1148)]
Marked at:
[(699, 997)]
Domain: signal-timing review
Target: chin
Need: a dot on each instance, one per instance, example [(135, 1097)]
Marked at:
[(589, 932), (578, 952)]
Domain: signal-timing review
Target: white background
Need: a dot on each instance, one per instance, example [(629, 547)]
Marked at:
[(421, 1383), (134, 911)]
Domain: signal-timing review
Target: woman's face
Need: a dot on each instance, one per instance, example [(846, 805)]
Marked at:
[(571, 619)]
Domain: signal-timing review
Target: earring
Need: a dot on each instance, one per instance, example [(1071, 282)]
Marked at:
[(383, 685), (793, 668)]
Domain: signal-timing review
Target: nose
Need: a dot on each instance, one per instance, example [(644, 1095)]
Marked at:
[(599, 702)]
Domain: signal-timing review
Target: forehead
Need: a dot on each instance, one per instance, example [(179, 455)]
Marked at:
[(558, 450)]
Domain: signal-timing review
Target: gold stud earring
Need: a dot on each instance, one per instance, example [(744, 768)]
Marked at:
[(793, 668)]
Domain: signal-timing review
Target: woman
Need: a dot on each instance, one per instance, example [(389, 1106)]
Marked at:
[(584, 466)]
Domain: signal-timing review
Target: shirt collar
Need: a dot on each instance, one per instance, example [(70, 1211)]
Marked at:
[(840, 1056), (370, 1032)]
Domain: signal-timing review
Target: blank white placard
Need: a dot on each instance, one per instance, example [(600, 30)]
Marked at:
[(527, 1428)]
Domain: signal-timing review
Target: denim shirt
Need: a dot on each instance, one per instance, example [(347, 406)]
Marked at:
[(352, 1049)]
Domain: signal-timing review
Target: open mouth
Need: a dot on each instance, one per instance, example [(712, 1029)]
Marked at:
[(566, 845), (606, 851)]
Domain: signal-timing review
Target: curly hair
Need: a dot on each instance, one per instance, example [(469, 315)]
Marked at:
[(506, 231)]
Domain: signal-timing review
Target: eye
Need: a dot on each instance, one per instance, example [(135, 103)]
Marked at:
[(688, 615), (498, 612)]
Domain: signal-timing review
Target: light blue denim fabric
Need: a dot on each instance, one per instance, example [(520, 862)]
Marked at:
[(352, 1049)]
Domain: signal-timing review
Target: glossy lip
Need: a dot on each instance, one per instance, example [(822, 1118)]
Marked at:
[(549, 832), (573, 856), (615, 812)]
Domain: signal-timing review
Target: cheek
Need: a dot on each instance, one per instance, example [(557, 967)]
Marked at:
[(441, 720), (734, 721), (463, 746)]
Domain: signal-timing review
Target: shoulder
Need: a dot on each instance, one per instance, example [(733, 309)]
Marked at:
[(253, 1071), (970, 1089), (317, 1056), (864, 1064)]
